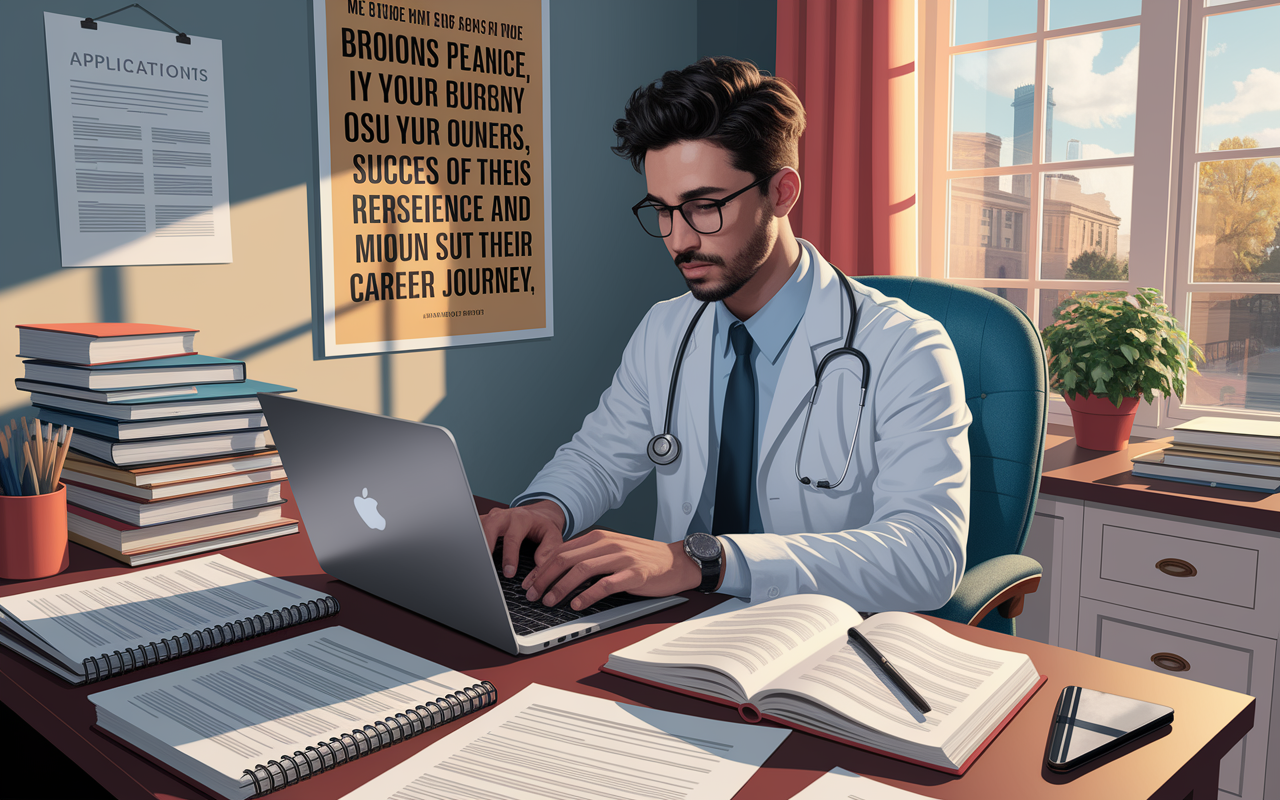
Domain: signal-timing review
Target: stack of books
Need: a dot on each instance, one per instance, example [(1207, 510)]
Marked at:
[(171, 454), (1219, 451)]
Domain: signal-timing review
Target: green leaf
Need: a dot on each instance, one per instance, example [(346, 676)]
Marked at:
[(1129, 353)]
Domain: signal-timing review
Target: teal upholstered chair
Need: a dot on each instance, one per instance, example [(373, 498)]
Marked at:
[(1005, 384)]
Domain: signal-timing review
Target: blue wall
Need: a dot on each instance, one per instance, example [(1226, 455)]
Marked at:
[(509, 405)]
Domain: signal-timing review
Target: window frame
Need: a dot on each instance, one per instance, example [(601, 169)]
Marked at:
[(1161, 233), (1182, 214)]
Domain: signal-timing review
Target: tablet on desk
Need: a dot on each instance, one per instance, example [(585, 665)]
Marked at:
[(1088, 724)]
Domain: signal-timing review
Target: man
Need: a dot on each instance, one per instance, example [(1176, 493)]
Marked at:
[(718, 145)]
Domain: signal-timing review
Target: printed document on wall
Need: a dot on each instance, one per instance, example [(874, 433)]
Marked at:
[(139, 144)]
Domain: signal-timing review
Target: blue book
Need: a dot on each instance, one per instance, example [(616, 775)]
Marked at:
[(207, 398), (120, 431), (1151, 465), (171, 371), (170, 448)]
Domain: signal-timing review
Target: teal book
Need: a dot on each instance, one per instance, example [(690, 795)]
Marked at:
[(207, 398), (175, 370)]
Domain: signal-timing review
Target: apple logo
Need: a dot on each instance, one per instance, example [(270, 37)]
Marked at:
[(367, 508)]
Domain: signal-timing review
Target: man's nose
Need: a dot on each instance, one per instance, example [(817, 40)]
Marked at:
[(683, 237)]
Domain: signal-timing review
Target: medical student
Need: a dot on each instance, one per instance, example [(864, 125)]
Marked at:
[(872, 508)]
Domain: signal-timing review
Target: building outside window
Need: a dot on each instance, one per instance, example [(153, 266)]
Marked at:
[(1057, 113)]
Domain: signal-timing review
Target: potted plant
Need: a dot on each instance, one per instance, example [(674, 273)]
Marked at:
[(1105, 350)]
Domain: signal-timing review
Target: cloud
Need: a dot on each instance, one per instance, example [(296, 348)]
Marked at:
[(1217, 51), (1268, 137), (1260, 91), (1088, 99), (999, 71)]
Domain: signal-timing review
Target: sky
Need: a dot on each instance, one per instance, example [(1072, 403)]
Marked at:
[(1094, 77)]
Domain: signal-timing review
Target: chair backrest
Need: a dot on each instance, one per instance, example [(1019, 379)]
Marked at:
[(1005, 385)]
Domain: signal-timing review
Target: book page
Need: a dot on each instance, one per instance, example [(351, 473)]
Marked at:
[(752, 645), (232, 714), (957, 678), (133, 609), (550, 744), (841, 784)]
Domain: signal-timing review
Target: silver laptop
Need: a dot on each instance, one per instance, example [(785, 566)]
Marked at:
[(388, 509)]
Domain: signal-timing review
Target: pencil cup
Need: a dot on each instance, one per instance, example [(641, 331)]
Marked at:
[(33, 535)]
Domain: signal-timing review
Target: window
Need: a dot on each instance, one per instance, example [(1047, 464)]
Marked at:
[(1034, 106)]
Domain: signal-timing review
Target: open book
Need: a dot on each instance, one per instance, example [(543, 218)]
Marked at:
[(248, 724), (788, 660), (91, 630)]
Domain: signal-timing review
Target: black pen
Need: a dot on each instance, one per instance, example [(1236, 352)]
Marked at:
[(859, 641)]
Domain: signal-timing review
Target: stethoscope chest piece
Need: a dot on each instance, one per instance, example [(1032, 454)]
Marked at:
[(663, 449)]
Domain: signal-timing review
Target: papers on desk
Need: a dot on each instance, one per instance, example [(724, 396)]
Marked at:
[(546, 743), (95, 629), (840, 784), (250, 723)]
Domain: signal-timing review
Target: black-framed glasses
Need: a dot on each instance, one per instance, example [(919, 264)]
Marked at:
[(702, 213)]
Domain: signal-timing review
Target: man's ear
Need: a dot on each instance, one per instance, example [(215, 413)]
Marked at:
[(784, 191)]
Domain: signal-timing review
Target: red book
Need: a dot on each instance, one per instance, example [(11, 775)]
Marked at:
[(789, 661), (91, 343)]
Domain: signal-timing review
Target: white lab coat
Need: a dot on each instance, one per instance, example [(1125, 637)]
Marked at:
[(891, 536)]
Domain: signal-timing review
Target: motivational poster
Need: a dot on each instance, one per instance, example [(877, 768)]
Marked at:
[(434, 173)]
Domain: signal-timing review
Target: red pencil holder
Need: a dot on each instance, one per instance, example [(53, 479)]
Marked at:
[(33, 535)]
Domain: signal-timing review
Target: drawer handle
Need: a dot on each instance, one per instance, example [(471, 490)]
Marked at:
[(1176, 567), (1171, 662)]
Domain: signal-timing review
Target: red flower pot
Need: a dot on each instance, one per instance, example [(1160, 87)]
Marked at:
[(1099, 424)]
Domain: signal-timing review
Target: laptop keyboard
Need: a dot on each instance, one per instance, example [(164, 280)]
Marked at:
[(529, 617)]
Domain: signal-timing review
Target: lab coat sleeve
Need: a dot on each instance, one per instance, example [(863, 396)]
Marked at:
[(606, 459), (910, 554)]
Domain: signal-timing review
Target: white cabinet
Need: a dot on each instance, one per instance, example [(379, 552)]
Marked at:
[(1167, 594)]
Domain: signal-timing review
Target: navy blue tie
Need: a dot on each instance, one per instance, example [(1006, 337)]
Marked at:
[(732, 512)]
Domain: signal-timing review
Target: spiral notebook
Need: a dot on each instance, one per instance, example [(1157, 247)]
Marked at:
[(88, 631), (250, 723)]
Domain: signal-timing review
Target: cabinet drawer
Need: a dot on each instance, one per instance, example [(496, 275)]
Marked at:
[(1209, 570), (1222, 658), (1220, 575)]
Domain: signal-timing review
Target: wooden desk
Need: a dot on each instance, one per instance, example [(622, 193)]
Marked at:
[(1180, 764)]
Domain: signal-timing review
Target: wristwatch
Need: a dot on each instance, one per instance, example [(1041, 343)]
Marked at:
[(707, 552)]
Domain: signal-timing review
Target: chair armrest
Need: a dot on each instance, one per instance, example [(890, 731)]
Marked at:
[(1001, 582)]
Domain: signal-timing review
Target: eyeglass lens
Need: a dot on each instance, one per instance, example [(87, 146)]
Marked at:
[(702, 216)]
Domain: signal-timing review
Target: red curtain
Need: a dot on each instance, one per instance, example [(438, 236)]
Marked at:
[(852, 62)]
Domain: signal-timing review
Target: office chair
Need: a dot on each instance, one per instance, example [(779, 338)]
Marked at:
[(1005, 384)]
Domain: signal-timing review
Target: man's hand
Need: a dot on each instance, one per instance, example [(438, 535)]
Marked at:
[(540, 522), (628, 564)]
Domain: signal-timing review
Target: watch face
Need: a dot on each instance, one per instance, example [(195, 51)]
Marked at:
[(704, 546)]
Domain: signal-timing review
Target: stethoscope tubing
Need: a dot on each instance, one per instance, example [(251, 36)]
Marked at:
[(665, 448)]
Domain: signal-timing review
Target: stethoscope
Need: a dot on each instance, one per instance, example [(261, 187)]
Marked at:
[(665, 447)]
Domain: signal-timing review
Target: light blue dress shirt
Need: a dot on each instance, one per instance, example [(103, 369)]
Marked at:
[(771, 328)]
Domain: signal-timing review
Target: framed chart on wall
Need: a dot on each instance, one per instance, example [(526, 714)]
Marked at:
[(434, 173)]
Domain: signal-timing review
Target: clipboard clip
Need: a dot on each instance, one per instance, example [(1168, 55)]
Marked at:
[(89, 23)]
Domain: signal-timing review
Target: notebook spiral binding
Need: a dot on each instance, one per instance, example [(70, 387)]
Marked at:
[(289, 769), (118, 662)]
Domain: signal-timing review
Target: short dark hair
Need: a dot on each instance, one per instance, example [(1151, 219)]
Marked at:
[(756, 117)]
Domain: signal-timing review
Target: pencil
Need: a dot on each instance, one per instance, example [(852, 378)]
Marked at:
[(37, 448), (26, 451), (6, 467), (52, 459), (57, 469), (20, 466)]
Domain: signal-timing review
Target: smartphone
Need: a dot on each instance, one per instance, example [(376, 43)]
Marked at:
[(1088, 724)]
